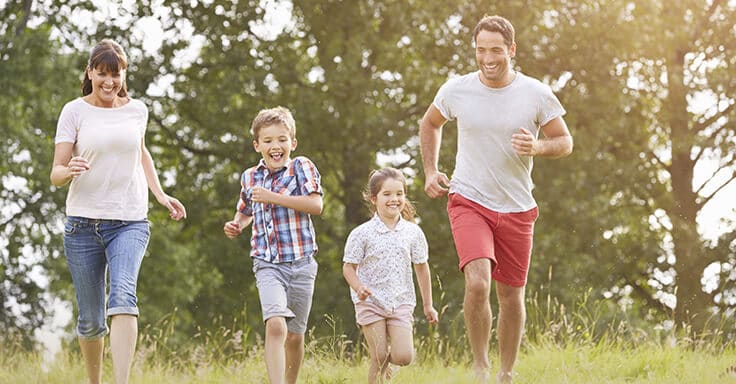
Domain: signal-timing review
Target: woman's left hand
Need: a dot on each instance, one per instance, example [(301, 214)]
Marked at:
[(175, 207)]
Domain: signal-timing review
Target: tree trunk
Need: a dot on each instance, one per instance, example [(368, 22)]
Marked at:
[(356, 168), (26, 12), (690, 254)]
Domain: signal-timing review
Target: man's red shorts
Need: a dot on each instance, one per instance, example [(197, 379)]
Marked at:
[(505, 238)]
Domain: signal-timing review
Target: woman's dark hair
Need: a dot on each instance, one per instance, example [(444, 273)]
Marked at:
[(107, 55)]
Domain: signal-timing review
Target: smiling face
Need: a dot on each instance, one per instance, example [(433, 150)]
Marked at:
[(106, 85), (104, 76), (275, 144), (494, 58), (390, 200)]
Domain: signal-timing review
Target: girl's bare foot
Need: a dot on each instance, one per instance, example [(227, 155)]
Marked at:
[(391, 371)]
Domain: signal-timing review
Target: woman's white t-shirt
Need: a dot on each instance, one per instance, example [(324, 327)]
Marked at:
[(110, 139)]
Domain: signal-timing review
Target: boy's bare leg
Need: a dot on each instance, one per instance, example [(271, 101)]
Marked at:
[(275, 351), (477, 310), (123, 336), (376, 337), (511, 318), (92, 354), (294, 355)]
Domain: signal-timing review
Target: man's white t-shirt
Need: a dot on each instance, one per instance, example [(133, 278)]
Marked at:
[(110, 139), (487, 169)]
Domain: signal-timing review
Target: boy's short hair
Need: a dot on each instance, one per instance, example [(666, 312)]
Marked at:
[(271, 116)]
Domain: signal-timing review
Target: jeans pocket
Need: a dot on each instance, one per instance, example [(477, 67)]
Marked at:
[(69, 228)]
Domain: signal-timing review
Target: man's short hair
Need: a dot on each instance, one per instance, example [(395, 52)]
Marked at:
[(495, 24)]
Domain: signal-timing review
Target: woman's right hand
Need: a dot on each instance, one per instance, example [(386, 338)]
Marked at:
[(77, 166)]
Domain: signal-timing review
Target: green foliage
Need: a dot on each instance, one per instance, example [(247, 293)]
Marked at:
[(35, 80), (618, 217)]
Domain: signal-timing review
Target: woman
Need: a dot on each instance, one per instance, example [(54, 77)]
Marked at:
[(100, 149)]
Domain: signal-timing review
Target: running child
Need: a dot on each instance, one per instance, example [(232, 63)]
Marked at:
[(278, 196), (377, 265)]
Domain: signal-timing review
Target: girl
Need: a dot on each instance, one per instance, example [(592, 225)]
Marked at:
[(377, 266)]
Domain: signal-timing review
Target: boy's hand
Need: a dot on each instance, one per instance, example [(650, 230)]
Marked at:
[(431, 314), (261, 195), (363, 292), (232, 229)]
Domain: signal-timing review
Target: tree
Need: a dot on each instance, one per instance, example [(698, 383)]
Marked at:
[(353, 87), (640, 137), (617, 216), (696, 60), (29, 63)]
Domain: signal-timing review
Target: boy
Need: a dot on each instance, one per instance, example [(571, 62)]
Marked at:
[(278, 196)]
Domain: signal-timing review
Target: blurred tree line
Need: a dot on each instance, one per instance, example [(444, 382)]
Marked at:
[(649, 88)]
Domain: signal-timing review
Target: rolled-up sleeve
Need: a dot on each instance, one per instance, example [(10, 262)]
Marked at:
[(308, 176)]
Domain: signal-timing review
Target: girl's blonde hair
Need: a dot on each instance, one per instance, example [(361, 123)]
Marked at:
[(375, 182)]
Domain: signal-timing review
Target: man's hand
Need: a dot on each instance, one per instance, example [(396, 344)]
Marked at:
[(436, 184), (524, 143)]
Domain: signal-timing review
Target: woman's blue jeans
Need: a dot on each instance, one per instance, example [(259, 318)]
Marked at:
[(94, 249)]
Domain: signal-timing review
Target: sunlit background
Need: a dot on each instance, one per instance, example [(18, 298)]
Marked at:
[(641, 216)]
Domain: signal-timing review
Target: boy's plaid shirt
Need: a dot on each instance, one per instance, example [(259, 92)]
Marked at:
[(280, 234)]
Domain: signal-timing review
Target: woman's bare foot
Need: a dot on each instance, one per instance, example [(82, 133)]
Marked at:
[(504, 378), (482, 375)]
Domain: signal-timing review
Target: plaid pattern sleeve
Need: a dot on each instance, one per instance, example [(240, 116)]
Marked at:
[(245, 205), (281, 234), (308, 176)]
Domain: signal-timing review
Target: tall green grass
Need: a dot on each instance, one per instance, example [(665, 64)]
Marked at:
[(592, 342)]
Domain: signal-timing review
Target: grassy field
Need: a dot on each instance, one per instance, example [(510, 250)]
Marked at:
[(593, 343), (537, 364)]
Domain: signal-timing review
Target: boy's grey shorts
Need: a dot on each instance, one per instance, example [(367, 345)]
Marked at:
[(286, 290)]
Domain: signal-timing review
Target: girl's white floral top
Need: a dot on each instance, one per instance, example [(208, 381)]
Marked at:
[(384, 257)]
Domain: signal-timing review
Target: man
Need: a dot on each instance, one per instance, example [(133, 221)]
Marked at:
[(499, 114)]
